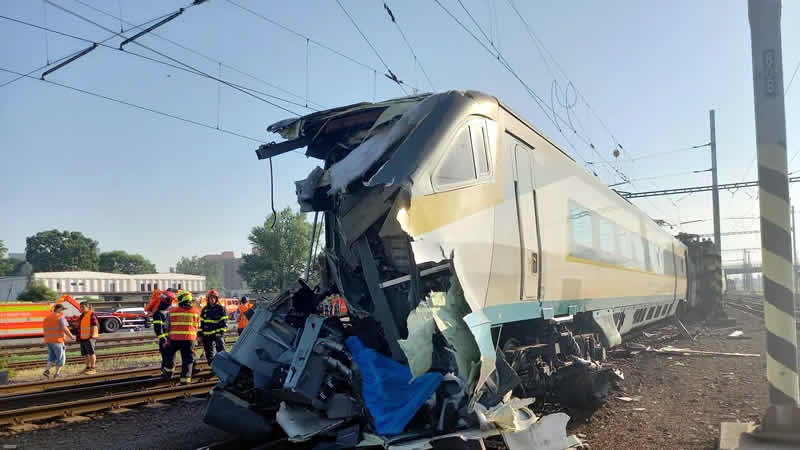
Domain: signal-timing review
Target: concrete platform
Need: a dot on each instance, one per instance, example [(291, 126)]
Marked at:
[(734, 435)]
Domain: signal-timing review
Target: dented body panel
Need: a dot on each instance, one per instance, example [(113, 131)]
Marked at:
[(465, 244)]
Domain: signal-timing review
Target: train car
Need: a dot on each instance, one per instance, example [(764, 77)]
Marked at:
[(451, 204)]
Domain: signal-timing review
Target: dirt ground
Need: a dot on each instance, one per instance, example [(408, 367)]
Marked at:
[(683, 401), (684, 398)]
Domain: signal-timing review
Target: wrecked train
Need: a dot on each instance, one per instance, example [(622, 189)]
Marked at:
[(479, 263)]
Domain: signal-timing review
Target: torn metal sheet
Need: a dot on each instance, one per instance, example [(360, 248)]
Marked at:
[(481, 328), (512, 415), (425, 443), (669, 350), (549, 433), (418, 348), (301, 424), (360, 159), (448, 313)]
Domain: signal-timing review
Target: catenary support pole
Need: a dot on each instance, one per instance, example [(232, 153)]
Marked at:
[(776, 257), (715, 183), (794, 252)]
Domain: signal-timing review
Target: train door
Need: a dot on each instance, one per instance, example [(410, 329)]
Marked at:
[(530, 261)]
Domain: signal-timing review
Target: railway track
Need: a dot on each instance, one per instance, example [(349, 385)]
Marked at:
[(19, 349), (22, 365), (750, 304), (102, 402), (92, 390), (83, 380), (39, 350)]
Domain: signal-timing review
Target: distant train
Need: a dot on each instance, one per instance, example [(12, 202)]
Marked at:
[(454, 193)]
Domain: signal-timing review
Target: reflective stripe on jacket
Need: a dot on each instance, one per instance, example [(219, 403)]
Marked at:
[(158, 324), (53, 333), (85, 330), (212, 320), (242, 318), (183, 323)]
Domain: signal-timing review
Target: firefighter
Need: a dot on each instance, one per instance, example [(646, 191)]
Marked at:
[(160, 328), (212, 325), (183, 322), (240, 316)]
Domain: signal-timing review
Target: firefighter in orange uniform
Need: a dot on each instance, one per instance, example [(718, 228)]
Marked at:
[(240, 314), (183, 322)]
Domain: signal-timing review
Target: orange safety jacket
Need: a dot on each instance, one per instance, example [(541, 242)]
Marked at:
[(53, 333), (183, 323), (86, 331), (242, 318)]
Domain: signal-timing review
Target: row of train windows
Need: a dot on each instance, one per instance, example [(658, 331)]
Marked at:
[(597, 238), (654, 312)]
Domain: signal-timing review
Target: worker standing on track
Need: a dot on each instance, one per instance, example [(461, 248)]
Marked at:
[(160, 328), (183, 322), (212, 325), (239, 315), (55, 328), (88, 330)]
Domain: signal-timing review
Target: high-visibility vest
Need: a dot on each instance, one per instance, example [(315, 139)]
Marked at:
[(183, 323), (53, 334), (242, 318), (86, 331)]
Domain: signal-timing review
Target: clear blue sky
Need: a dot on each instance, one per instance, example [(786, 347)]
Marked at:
[(148, 184)]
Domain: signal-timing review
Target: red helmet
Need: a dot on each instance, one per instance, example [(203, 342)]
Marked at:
[(212, 292), (168, 297)]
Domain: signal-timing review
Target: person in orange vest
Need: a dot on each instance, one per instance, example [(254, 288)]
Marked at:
[(88, 330), (240, 316), (183, 322), (55, 328)]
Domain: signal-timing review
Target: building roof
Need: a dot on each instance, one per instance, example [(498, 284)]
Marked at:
[(118, 276)]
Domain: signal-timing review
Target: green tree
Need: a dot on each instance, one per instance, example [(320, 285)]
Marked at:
[(201, 266), (56, 251), (281, 252), (119, 261), (38, 292), (6, 265)]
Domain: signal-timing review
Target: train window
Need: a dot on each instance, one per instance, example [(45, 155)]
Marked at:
[(580, 226), (655, 259), (669, 263), (458, 165), (625, 248), (605, 234), (479, 143), (638, 251)]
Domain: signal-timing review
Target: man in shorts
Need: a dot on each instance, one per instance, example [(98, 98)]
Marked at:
[(55, 328), (88, 330)]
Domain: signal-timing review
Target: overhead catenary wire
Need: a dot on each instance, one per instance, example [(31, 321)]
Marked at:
[(151, 59), (202, 55), (134, 105), (537, 99), (312, 40), (390, 74), (46, 29), (408, 44), (163, 55)]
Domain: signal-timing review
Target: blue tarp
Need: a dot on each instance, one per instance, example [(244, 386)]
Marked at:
[(391, 397)]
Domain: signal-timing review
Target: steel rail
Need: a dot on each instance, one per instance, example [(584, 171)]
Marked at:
[(39, 350), (102, 340), (104, 389), (116, 401), (81, 380), (22, 365)]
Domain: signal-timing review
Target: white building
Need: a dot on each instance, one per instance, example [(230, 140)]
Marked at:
[(102, 284)]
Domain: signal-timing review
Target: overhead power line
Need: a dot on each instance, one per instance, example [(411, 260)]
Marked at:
[(163, 55), (309, 39), (408, 44), (203, 55), (691, 190), (667, 152), (148, 58), (391, 74), (133, 105)]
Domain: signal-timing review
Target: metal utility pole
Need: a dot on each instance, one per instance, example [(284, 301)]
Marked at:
[(714, 183), (773, 184), (794, 252)]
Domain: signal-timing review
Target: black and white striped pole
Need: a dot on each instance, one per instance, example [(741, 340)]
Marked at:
[(776, 244)]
